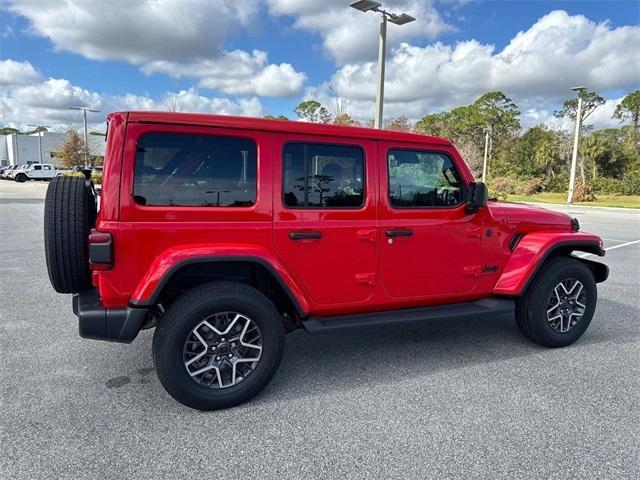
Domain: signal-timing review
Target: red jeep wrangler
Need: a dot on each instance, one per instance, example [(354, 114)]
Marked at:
[(225, 232)]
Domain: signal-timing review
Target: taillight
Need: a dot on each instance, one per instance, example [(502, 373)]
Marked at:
[(100, 250)]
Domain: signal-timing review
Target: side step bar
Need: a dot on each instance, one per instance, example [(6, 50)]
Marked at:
[(488, 307)]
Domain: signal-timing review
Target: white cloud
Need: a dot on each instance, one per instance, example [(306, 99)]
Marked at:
[(539, 64), (181, 38), (352, 36), (137, 31), (31, 99), (17, 73), (237, 73), (191, 101)]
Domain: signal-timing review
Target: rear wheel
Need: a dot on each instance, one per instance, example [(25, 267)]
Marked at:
[(218, 345), (559, 305)]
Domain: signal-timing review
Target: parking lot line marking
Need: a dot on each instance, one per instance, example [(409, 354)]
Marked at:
[(626, 244)]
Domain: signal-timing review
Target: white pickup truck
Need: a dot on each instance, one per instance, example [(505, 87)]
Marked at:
[(35, 171)]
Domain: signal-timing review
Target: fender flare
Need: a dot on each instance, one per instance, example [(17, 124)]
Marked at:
[(171, 261), (534, 249)]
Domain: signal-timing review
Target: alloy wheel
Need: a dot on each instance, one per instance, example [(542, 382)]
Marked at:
[(222, 350), (566, 305)]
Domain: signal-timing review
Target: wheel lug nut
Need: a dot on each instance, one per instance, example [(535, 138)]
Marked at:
[(233, 344), (222, 340), (213, 348), (231, 355), (218, 358)]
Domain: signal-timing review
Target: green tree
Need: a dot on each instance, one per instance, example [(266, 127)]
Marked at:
[(547, 156), (8, 130), (497, 113), (72, 153), (629, 109), (435, 124), (312, 111), (604, 153), (590, 102)]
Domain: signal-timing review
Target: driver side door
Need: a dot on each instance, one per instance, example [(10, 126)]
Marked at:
[(430, 246)]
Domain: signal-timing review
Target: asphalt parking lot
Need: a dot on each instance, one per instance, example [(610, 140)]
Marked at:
[(466, 399)]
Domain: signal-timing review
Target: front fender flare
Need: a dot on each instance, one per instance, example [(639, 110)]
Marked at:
[(171, 260), (531, 252)]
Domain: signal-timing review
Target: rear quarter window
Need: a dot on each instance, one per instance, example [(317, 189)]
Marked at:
[(195, 170)]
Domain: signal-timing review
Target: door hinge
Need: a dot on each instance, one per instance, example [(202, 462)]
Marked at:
[(367, 235), (473, 232), (368, 279), (472, 271)]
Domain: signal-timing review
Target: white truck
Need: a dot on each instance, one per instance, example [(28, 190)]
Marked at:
[(35, 171)]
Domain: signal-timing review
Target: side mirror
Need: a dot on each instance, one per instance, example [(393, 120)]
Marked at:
[(478, 196)]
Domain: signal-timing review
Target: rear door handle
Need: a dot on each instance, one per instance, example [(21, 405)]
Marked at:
[(304, 235), (404, 232)]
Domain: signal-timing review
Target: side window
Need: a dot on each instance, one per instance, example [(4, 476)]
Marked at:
[(323, 176), (195, 170), (422, 179), (46, 167), (37, 167)]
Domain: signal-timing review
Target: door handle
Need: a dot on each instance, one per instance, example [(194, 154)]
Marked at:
[(304, 235), (404, 232)]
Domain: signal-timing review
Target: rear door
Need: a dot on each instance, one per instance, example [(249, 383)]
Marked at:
[(431, 246), (325, 215)]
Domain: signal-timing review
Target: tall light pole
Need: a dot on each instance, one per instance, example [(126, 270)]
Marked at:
[(487, 133), (40, 129), (398, 19), (576, 139), (86, 135)]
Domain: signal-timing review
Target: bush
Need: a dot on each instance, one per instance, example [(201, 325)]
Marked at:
[(532, 186), (500, 187), (608, 186), (583, 193), (557, 184), (96, 177), (631, 183)]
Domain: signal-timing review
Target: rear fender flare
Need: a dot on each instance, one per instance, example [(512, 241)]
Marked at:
[(172, 260), (535, 248)]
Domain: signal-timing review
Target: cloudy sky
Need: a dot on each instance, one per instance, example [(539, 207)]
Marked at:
[(258, 57)]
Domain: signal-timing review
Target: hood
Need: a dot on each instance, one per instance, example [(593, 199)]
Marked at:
[(523, 214)]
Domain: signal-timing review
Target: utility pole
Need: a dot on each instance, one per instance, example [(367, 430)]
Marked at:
[(398, 19), (576, 139), (40, 129), (86, 135)]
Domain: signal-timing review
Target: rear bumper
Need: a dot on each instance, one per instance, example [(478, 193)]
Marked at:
[(110, 324)]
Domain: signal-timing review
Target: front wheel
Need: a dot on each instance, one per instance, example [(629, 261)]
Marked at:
[(558, 306), (218, 345), (21, 178)]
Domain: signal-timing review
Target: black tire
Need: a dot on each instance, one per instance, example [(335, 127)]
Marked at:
[(531, 308), (181, 318), (21, 178), (69, 215)]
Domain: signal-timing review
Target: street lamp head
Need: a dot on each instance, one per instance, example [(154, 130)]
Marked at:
[(84, 108), (401, 19), (579, 89), (365, 5)]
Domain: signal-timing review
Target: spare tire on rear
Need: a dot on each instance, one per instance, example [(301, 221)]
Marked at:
[(69, 215)]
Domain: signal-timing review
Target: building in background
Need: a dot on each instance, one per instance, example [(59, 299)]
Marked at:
[(17, 149)]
